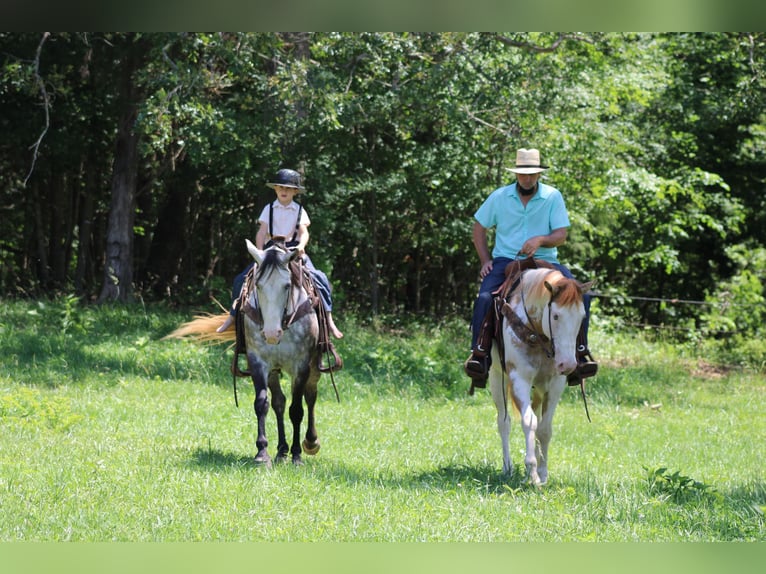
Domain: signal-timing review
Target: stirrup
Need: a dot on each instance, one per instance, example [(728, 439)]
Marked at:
[(586, 367), (334, 362), (477, 367)]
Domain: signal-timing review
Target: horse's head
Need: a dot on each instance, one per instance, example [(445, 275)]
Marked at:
[(273, 286), (562, 317)]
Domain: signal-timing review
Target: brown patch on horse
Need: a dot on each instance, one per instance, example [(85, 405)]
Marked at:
[(566, 292)]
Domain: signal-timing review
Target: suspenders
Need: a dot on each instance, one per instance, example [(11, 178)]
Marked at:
[(294, 241)]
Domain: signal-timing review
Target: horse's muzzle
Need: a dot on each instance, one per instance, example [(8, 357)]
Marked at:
[(567, 366), (273, 337)]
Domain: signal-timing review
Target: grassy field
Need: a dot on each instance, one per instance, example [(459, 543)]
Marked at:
[(111, 434)]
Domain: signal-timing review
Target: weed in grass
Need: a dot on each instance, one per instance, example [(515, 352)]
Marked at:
[(24, 407), (675, 485)]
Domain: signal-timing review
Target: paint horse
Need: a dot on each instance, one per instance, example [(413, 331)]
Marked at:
[(540, 319), (281, 331)]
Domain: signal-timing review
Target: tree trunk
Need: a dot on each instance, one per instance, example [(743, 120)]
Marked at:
[(82, 277), (169, 240), (118, 263), (118, 266)]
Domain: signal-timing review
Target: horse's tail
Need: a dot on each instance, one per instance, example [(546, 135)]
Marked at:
[(515, 410), (203, 329)]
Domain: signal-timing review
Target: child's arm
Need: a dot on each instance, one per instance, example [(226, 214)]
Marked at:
[(262, 236), (303, 238)]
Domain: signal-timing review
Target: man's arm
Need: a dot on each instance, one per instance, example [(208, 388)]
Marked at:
[(553, 239), (480, 243)]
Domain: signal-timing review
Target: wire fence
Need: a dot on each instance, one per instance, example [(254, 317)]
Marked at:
[(674, 301)]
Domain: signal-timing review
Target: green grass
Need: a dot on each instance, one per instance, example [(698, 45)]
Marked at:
[(110, 434)]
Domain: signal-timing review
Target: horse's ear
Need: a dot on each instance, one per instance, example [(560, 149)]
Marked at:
[(554, 290), (255, 252), (294, 255), (585, 287)]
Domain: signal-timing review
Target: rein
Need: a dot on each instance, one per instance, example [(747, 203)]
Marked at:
[(551, 351), (525, 330)]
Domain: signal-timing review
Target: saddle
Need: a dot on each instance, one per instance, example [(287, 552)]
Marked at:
[(491, 327), (328, 359)]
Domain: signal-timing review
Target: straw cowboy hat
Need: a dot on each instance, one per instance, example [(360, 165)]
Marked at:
[(528, 161), (287, 178)]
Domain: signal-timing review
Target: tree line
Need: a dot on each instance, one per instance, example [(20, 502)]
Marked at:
[(134, 164)]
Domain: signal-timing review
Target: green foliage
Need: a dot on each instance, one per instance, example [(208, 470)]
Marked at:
[(31, 409), (406, 356), (656, 141), (736, 306), (674, 485)]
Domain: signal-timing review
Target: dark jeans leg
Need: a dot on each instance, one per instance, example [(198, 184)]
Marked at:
[(322, 284), (483, 302), (239, 280)]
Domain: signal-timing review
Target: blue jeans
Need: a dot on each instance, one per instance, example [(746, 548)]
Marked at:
[(320, 281), (494, 280)]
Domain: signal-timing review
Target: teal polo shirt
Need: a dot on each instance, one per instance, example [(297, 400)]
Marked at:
[(515, 223)]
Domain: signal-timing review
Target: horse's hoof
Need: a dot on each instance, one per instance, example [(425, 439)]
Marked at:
[(532, 477), (262, 460), (535, 482), (297, 460), (311, 449), (281, 458)]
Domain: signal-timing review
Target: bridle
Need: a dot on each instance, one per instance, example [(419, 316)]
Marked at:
[(288, 318), (536, 337)]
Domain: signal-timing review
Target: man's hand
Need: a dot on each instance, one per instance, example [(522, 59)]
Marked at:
[(531, 246), (485, 269)]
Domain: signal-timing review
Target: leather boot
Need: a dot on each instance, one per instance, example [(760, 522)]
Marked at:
[(586, 366), (477, 365)]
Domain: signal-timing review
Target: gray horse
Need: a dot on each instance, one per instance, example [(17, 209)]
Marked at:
[(281, 331)]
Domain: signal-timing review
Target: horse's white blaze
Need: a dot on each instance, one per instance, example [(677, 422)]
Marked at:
[(535, 382), (565, 324), (274, 300)]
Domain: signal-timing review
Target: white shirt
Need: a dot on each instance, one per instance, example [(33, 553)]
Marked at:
[(285, 218)]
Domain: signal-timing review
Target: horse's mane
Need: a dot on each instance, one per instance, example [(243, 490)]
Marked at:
[(569, 291), (271, 261)]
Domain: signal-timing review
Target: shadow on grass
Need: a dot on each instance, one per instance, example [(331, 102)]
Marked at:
[(213, 459), (61, 359), (486, 478)]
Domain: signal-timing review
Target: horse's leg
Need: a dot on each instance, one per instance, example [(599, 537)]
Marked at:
[(522, 398), (261, 406), (545, 426), (296, 413), (498, 388), (311, 442), (278, 403)]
